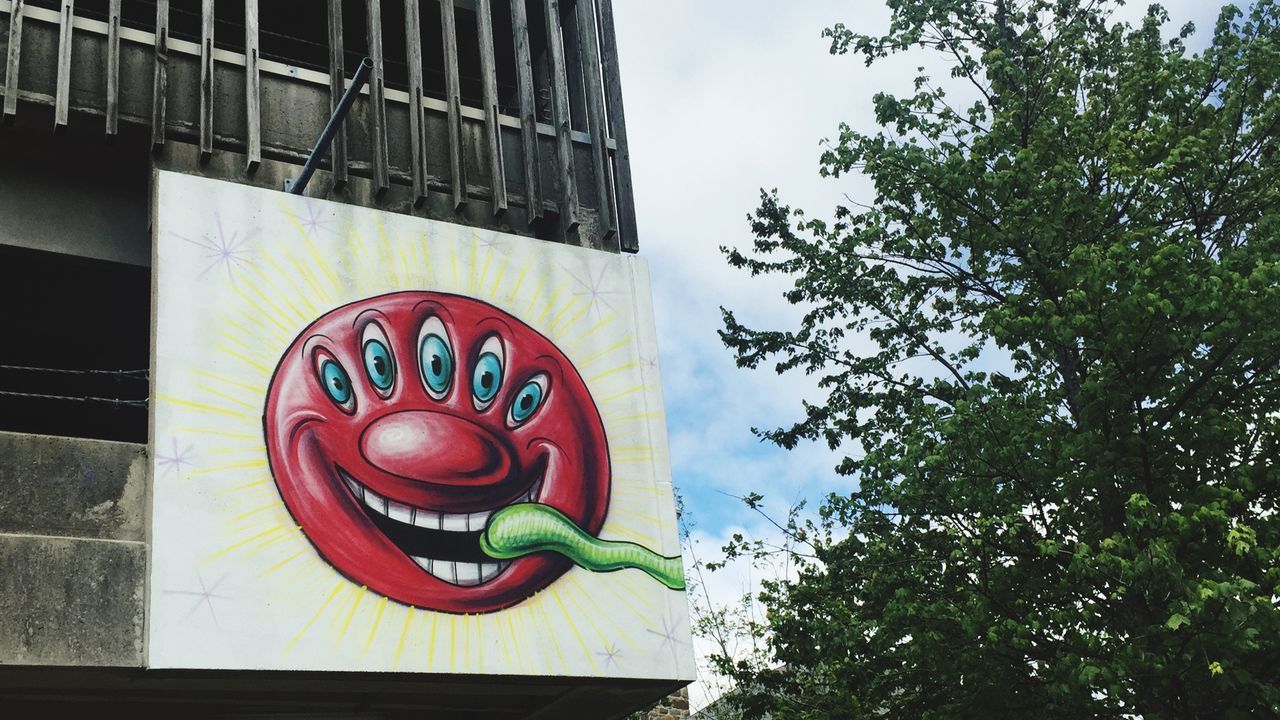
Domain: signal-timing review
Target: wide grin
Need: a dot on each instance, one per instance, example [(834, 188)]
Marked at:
[(446, 545)]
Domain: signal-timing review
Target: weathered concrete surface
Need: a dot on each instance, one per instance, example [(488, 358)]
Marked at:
[(72, 487), (67, 601)]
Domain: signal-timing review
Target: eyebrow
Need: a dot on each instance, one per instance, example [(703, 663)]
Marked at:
[(373, 311), (485, 325)]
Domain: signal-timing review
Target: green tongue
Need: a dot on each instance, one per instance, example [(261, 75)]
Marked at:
[(524, 528)]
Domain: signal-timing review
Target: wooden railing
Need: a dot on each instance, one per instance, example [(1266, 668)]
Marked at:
[(549, 159)]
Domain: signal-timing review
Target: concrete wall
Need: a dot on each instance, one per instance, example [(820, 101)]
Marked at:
[(72, 551)]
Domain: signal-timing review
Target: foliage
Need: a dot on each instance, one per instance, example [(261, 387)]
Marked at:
[(1053, 340)]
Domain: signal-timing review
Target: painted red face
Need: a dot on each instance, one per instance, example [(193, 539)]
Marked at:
[(396, 425)]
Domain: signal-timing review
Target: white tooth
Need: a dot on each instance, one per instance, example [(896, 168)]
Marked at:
[(445, 570), (424, 563), (468, 573), (426, 519), (489, 571), (355, 486), (456, 522), (396, 511), (375, 501), (477, 520)]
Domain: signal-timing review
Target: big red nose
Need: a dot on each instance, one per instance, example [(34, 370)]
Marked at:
[(435, 447)]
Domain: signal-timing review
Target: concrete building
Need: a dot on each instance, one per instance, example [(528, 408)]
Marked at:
[(492, 114)]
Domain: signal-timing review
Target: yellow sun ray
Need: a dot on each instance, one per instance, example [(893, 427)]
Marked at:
[(564, 326), (283, 562), (619, 395), (303, 294), (316, 287), (266, 545), (570, 304), (337, 587), (614, 417), (637, 489), (245, 360), (255, 511), (431, 638), (351, 614), (198, 406), (269, 532), (633, 535), (574, 588), (381, 606), (410, 612), (600, 325), (386, 253), (540, 606), (641, 595), (603, 353), (515, 290), (276, 316), (497, 278), (356, 249), (550, 305), (228, 397), (253, 390), (537, 292), (260, 483), (621, 368), (191, 429), (230, 467), (573, 628)]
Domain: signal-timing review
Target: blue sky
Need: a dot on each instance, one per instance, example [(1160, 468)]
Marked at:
[(724, 98)]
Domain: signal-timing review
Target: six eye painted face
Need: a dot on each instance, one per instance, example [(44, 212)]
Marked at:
[(396, 425)]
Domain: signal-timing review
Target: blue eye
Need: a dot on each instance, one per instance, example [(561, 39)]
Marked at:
[(528, 400), (377, 362), (335, 381), (437, 364), (487, 378)]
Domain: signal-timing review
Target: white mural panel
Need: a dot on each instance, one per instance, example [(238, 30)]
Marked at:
[(383, 443)]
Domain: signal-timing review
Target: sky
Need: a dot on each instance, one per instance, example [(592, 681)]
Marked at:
[(724, 98)]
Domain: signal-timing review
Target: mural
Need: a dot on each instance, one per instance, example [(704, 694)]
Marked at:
[(439, 451), (386, 443)]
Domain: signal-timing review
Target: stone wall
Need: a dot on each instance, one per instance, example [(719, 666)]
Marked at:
[(674, 707)]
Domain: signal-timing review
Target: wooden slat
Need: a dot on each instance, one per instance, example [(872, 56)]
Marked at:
[(573, 64), (252, 106), (206, 80), (417, 129), (528, 112), (12, 60), (621, 155), (377, 100), (337, 86), (62, 98), (560, 118), (160, 81), (113, 68), (453, 91), (493, 131), (596, 124)]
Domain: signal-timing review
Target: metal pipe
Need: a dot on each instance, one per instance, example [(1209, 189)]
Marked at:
[(299, 184)]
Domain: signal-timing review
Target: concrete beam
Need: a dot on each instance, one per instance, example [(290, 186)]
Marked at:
[(72, 487), (70, 601)]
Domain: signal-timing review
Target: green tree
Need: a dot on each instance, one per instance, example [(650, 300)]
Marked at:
[(1053, 340)]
